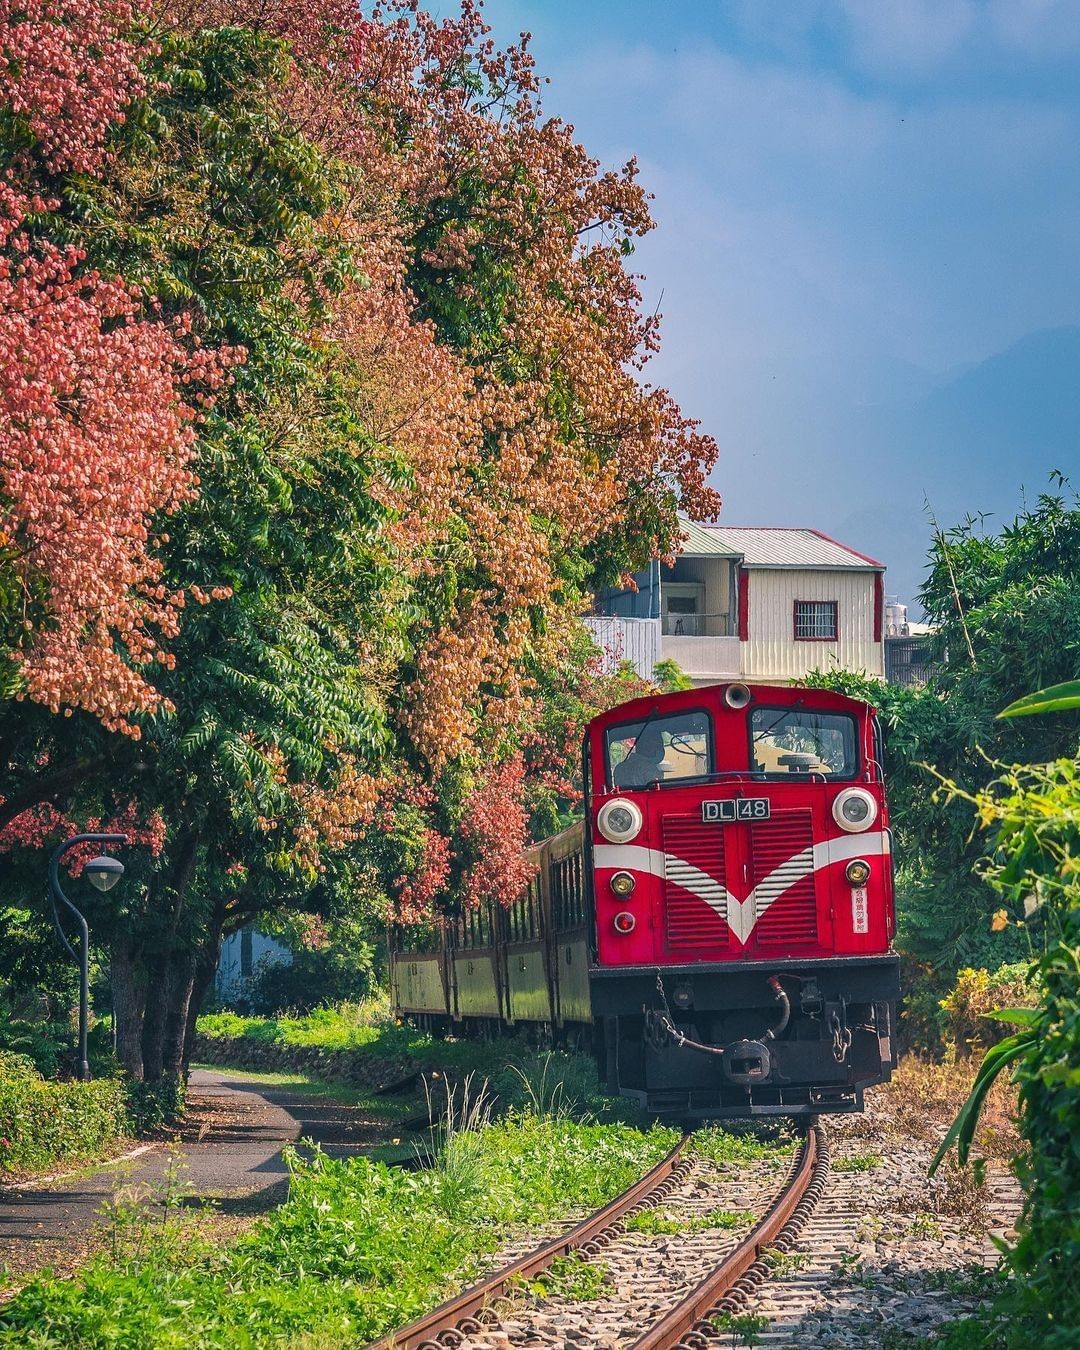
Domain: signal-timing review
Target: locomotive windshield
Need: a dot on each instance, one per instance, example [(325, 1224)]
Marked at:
[(792, 741), (660, 750)]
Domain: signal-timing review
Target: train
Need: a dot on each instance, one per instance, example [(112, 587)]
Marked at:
[(717, 929)]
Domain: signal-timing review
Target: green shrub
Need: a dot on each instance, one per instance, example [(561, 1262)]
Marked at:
[(1036, 871), (43, 1123), (967, 1019), (342, 970), (151, 1105), (48, 1044)]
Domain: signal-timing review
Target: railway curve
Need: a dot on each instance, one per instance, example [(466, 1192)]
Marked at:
[(489, 1313)]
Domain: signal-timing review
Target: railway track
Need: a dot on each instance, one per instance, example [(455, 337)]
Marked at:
[(485, 1314), (693, 1322), (451, 1322), (866, 1260)]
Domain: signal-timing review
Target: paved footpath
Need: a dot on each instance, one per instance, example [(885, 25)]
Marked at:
[(231, 1145)]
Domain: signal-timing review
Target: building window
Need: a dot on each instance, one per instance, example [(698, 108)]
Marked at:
[(246, 964), (816, 621)]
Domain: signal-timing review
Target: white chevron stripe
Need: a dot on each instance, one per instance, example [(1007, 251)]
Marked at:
[(741, 915), (699, 883), (629, 858)]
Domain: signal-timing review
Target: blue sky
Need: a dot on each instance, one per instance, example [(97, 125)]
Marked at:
[(859, 201)]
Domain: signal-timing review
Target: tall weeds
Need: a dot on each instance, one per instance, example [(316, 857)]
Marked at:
[(453, 1150)]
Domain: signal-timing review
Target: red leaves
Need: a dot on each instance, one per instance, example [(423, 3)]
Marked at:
[(96, 430), (495, 830), (68, 69), (44, 826), (417, 893)]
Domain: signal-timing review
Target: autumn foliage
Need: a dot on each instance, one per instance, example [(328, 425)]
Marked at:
[(97, 423), (322, 405), (495, 831), (498, 335)]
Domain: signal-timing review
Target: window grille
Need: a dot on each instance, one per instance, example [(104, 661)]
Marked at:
[(815, 620)]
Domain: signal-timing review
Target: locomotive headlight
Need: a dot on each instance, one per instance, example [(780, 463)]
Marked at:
[(619, 821), (857, 872), (622, 883), (854, 809)]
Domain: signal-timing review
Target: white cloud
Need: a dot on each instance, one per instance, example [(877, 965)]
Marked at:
[(907, 36)]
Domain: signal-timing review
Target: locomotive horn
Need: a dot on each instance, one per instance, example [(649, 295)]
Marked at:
[(737, 696)]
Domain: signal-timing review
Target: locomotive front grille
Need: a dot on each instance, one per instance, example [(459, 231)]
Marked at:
[(782, 869), (772, 859), (694, 857)]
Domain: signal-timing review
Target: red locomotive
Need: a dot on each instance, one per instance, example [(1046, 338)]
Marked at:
[(721, 919)]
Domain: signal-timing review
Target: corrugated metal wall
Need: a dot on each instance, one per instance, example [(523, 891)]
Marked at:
[(772, 653), (633, 640)]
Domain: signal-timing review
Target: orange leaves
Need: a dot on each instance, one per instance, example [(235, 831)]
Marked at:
[(333, 817)]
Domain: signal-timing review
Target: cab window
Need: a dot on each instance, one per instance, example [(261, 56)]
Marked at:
[(796, 741), (659, 750)]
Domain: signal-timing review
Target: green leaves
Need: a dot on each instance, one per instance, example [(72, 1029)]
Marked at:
[(1020, 1017), (1057, 698), (962, 1131), (1034, 810)]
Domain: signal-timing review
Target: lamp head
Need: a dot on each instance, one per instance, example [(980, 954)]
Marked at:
[(104, 872)]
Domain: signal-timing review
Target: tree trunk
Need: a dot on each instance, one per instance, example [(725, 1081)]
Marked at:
[(205, 970), (129, 1005), (171, 975), (181, 984), (157, 1003)]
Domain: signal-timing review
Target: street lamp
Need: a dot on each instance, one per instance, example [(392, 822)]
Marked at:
[(104, 873)]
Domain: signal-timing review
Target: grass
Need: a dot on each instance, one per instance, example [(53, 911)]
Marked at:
[(924, 1225), (745, 1328), (570, 1278), (357, 1249), (739, 1143), (784, 1263), (658, 1222), (367, 1026), (553, 1082), (924, 1095), (857, 1162), (343, 1093)]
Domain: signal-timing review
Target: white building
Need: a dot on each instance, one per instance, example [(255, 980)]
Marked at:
[(758, 604), (241, 953)]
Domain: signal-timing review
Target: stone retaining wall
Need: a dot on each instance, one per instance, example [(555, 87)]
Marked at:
[(338, 1066)]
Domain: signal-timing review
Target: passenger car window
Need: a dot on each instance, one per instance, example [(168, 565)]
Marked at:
[(659, 750), (793, 741)]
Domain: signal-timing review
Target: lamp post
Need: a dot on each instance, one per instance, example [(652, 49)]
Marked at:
[(104, 873)]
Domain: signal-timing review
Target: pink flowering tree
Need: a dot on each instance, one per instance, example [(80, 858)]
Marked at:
[(98, 393)]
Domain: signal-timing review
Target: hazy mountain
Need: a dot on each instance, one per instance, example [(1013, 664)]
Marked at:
[(977, 443)]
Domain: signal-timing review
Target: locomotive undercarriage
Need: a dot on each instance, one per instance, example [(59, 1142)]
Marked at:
[(741, 1039)]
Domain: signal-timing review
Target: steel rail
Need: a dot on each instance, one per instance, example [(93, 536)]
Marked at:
[(449, 1324), (688, 1326)]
